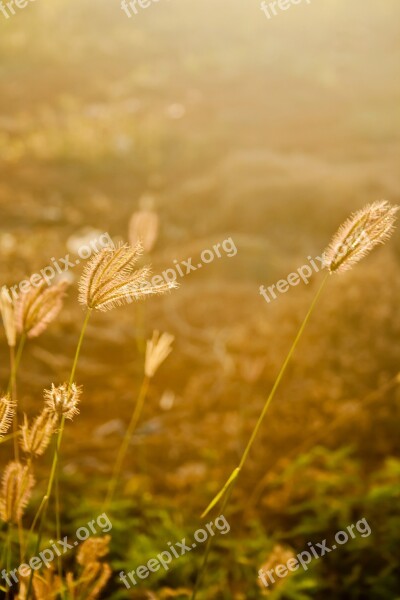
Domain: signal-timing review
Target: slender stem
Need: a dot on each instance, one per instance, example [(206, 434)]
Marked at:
[(15, 359), (207, 551), (227, 489), (38, 513), (58, 525), (45, 502), (14, 399), (125, 442), (10, 436), (8, 560), (79, 346), (282, 372)]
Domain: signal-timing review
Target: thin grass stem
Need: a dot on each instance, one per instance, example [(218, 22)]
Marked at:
[(227, 489), (45, 503), (125, 442)]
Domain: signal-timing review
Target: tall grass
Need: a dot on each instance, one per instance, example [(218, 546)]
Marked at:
[(355, 238)]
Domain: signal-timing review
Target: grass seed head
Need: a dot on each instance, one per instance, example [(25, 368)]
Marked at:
[(36, 437), (95, 574), (157, 350), (110, 279), (7, 411), (18, 482), (38, 307), (143, 228), (63, 400), (7, 313), (363, 230)]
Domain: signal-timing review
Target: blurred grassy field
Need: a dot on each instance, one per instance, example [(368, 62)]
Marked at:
[(268, 131)]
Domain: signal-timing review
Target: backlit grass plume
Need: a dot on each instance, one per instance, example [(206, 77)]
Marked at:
[(143, 228), (38, 307), (7, 313), (157, 350), (7, 410), (18, 482), (62, 401), (110, 279), (36, 437), (95, 573), (362, 231), (354, 239)]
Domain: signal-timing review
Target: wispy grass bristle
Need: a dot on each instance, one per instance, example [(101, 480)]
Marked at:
[(63, 400), (110, 279), (17, 485), (36, 437), (7, 313), (7, 411), (359, 234), (38, 307), (158, 349), (143, 229)]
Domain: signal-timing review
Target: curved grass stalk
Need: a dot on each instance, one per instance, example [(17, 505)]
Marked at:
[(15, 359), (45, 501), (8, 557), (125, 442), (10, 436), (227, 488)]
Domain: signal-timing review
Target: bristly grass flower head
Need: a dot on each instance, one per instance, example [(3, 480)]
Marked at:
[(363, 230), (7, 411), (36, 437), (95, 573), (157, 350), (143, 229), (110, 279), (18, 482), (7, 313), (38, 307), (62, 401)]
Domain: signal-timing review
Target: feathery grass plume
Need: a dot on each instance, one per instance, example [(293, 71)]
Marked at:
[(46, 585), (7, 313), (157, 350), (143, 228), (36, 437), (109, 279), (18, 482), (38, 307), (95, 574), (363, 230), (7, 411), (355, 238), (62, 401), (92, 549)]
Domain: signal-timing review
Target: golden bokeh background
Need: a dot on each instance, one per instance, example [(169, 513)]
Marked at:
[(231, 125)]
